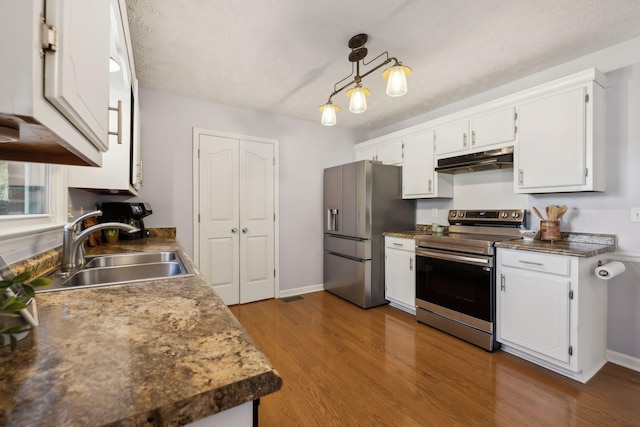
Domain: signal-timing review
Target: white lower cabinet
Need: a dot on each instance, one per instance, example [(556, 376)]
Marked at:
[(551, 310), (399, 273)]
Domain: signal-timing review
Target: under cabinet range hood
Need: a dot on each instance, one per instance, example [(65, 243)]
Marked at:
[(486, 160)]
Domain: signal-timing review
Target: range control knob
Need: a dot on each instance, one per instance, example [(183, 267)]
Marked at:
[(505, 215), (516, 215), (461, 214), (452, 214)]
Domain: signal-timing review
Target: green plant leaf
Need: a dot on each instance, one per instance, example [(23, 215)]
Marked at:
[(29, 290), (5, 284), (22, 277), (42, 281)]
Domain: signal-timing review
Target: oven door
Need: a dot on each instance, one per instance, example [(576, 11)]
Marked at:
[(457, 286)]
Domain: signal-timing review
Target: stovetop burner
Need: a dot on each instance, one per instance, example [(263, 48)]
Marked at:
[(475, 231)]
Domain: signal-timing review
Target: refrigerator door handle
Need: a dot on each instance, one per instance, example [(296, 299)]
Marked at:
[(332, 219), (347, 257)]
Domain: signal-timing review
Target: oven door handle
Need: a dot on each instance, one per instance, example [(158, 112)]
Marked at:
[(485, 262)]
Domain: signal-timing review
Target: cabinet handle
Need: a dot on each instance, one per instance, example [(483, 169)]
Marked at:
[(539, 264), (473, 137), (430, 184), (118, 133), (398, 244), (502, 280), (234, 230), (410, 264), (464, 139), (520, 176)]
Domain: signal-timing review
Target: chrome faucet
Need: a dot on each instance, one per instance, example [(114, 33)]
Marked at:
[(72, 249)]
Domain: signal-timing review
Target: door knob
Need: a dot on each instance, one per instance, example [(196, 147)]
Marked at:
[(245, 230), (234, 230)]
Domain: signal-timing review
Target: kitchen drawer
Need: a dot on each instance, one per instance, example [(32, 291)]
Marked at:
[(400, 243), (527, 260)]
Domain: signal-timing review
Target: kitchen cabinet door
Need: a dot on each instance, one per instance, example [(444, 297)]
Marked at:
[(76, 73), (419, 179), (399, 276), (534, 312), (552, 143), (497, 127), (121, 171), (561, 141), (389, 152), (453, 138)]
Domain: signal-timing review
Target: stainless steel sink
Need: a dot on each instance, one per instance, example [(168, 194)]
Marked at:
[(116, 269), (130, 259), (122, 274)]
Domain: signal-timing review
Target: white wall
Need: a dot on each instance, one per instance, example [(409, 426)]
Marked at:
[(607, 212), (305, 150)]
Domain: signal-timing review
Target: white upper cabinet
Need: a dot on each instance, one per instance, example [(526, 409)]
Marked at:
[(387, 152), (561, 139), (419, 178), (121, 166), (496, 127), (76, 80), (493, 129), (452, 138), (58, 81)]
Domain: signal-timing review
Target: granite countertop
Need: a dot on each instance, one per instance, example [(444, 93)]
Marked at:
[(574, 244), (570, 243), (157, 353)]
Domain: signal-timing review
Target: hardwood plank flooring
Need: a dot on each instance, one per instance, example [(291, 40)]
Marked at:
[(345, 366)]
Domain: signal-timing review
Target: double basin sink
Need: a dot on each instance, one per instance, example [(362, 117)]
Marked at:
[(115, 269)]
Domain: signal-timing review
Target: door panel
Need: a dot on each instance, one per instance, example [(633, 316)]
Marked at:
[(219, 215), (77, 74), (256, 221), (333, 200)]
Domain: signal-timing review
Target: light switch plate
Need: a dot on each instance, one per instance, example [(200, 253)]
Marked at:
[(635, 214), (434, 212)]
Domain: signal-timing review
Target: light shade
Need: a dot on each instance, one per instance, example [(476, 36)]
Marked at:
[(329, 114), (358, 102), (396, 80)]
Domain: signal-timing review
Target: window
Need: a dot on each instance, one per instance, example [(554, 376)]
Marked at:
[(33, 198), (23, 188)]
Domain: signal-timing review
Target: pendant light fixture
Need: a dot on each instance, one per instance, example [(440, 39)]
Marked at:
[(396, 76)]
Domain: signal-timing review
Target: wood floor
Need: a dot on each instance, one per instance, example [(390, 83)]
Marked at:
[(345, 366)]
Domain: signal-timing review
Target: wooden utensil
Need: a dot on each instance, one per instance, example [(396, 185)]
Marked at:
[(563, 210), (537, 212), (553, 212)]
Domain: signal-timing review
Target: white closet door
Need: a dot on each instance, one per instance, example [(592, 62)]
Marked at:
[(256, 221), (219, 215), (237, 217)]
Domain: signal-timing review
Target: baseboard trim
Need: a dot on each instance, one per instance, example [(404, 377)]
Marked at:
[(300, 291), (624, 360)]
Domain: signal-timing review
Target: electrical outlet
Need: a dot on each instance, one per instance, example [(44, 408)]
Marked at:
[(434, 212), (635, 214)]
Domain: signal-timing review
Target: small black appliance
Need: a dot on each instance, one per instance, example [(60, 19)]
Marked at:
[(127, 213)]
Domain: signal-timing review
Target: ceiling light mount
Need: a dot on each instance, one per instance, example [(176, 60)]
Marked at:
[(396, 76)]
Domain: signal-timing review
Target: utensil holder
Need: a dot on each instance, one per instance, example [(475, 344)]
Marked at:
[(550, 230)]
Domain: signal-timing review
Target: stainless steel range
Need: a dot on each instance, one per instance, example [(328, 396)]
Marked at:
[(455, 273)]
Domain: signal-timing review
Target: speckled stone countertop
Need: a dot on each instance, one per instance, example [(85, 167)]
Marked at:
[(154, 353), (421, 229), (574, 244), (570, 243)]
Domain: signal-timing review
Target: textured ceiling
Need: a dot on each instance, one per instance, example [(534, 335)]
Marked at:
[(284, 56)]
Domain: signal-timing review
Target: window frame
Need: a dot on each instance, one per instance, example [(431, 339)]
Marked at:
[(31, 228)]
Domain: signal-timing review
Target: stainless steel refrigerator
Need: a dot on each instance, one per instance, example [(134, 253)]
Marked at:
[(361, 201)]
